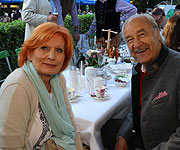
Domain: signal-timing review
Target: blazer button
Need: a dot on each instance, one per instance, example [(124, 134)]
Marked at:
[(133, 131), (155, 66)]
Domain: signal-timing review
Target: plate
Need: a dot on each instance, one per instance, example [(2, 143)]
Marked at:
[(106, 96), (121, 84), (75, 99), (120, 68), (121, 80)]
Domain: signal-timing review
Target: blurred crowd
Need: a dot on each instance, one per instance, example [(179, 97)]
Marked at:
[(8, 17), (168, 25)]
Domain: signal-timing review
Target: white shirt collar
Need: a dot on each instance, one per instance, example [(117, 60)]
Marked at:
[(143, 69), (103, 1)]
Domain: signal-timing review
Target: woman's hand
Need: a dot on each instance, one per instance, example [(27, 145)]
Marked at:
[(121, 144), (52, 18)]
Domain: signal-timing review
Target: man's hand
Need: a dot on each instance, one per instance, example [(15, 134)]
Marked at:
[(52, 18), (121, 144)]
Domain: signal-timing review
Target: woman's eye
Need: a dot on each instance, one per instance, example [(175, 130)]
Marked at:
[(44, 48), (59, 50)]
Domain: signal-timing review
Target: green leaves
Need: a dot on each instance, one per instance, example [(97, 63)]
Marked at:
[(84, 23), (95, 59), (11, 37)]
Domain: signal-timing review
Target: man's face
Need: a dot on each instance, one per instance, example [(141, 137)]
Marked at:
[(143, 42)]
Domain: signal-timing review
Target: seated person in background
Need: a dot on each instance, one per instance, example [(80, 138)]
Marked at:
[(177, 10), (159, 15), (153, 121), (177, 13), (35, 109), (171, 33), (107, 16)]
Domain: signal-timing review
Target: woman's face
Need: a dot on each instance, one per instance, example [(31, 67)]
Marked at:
[(48, 58)]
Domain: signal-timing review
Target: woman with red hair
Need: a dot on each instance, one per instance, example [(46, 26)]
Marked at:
[(35, 109)]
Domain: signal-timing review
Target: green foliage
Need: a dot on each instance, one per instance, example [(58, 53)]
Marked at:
[(142, 5), (84, 23), (12, 37)]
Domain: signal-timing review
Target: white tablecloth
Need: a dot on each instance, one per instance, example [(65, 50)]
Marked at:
[(91, 114)]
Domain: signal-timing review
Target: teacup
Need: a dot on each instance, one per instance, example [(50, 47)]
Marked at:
[(99, 81), (111, 61), (71, 93), (100, 91)]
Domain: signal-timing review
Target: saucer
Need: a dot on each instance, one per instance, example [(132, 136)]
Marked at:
[(106, 96), (75, 99)]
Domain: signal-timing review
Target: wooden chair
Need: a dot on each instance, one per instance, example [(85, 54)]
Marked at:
[(4, 55)]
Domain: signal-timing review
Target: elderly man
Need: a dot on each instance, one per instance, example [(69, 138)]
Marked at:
[(108, 15), (154, 118)]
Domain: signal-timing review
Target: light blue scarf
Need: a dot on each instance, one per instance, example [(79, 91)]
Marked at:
[(54, 108)]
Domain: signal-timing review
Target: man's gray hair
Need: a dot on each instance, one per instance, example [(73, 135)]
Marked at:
[(149, 18)]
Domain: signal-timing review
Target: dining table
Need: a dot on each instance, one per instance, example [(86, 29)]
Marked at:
[(91, 113)]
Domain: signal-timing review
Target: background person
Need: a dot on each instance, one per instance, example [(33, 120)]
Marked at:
[(107, 16), (33, 99), (155, 89), (159, 15), (171, 33), (36, 12), (63, 8), (177, 10), (16, 15)]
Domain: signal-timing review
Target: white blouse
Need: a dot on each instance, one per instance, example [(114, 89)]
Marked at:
[(40, 131)]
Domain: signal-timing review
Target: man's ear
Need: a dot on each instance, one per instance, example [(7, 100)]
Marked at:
[(158, 34)]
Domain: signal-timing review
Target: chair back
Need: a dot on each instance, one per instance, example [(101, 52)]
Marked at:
[(4, 55), (17, 51), (92, 41)]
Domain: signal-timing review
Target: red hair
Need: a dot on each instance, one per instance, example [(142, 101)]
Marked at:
[(42, 34)]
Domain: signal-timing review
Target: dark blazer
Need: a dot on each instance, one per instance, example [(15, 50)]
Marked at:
[(159, 123)]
